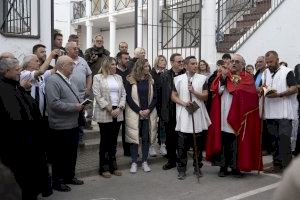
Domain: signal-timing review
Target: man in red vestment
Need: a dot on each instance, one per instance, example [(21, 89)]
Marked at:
[(233, 138)]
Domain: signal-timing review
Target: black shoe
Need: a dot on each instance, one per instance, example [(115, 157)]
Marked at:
[(181, 175), (223, 172), (198, 174), (61, 187), (74, 181), (237, 173), (168, 166)]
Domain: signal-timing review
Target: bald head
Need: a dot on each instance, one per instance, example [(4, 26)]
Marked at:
[(64, 65), (6, 55)]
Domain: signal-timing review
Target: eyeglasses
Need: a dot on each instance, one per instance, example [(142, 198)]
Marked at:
[(179, 61), (235, 61)]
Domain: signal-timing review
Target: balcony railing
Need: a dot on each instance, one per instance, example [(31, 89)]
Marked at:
[(100, 7), (78, 9), (20, 18)]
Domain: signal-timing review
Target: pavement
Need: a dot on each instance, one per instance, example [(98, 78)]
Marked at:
[(159, 184)]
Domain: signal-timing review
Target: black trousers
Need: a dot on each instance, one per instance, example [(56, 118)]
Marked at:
[(63, 155), (280, 131), (184, 142), (266, 138), (108, 145), (228, 157), (171, 140)]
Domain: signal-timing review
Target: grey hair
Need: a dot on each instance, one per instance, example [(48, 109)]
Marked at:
[(26, 60), (242, 58), (138, 50), (68, 46), (6, 55), (7, 63)]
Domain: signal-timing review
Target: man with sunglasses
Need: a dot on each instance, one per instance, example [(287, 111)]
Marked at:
[(168, 108), (233, 139)]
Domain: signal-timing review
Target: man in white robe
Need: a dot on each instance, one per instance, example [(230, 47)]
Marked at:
[(190, 89)]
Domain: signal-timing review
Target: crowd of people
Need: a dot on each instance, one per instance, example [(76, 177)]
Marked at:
[(235, 114)]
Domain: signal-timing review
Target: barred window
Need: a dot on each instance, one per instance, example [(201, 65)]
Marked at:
[(20, 18)]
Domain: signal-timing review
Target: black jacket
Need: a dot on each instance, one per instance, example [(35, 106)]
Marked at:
[(167, 106)]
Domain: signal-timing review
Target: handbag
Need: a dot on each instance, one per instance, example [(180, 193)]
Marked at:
[(81, 117)]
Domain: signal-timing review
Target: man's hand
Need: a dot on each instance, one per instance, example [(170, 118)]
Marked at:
[(94, 57), (88, 93), (273, 94), (79, 107), (55, 53), (26, 84), (191, 88), (224, 70), (186, 104)]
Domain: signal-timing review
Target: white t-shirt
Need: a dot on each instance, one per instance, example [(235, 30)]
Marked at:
[(113, 90)]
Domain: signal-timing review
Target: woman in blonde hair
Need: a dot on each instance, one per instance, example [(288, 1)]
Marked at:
[(110, 99), (140, 112), (160, 64), (203, 68)]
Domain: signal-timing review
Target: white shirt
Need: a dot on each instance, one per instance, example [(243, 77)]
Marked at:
[(39, 82), (113, 90)]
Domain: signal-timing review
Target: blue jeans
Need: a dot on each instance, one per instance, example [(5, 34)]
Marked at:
[(144, 133)]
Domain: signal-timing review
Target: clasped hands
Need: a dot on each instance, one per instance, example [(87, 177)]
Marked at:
[(144, 113)]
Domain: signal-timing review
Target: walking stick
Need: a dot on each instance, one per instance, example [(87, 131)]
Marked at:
[(194, 137), (261, 119)]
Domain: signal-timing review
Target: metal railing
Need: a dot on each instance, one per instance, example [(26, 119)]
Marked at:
[(20, 18), (236, 17), (274, 5), (121, 4), (79, 10), (180, 24), (100, 7)]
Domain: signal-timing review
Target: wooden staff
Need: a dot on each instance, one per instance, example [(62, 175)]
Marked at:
[(194, 136)]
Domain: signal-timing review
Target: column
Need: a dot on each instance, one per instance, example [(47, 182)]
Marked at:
[(88, 24), (152, 30), (89, 33), (112, 28), (208, 33), (112, 35), (140, 22)]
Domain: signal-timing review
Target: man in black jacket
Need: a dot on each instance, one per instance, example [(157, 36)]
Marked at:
[(168, 108), (21, 151)]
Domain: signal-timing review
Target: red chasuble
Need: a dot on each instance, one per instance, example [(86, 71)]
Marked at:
[(243, 117)]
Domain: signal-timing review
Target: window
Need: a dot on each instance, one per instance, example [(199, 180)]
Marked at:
[(20, 18)]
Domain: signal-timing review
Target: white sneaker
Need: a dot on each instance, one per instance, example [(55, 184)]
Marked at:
[(163, 150), (133, 168), (152, 151), (146, 167)]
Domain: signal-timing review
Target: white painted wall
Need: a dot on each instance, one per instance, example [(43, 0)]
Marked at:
[(280, 33), (20, 47), (62, 18), (124, 34)]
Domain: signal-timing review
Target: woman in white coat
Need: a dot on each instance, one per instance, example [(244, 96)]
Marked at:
[(110, 99)]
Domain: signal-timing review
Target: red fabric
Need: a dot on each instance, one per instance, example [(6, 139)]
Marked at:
[(244, 119)]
